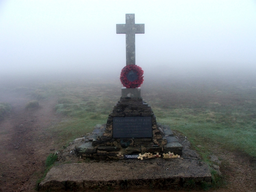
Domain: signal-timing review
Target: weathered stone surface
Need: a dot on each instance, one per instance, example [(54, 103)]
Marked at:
[(98, 131), (173, 144), (86, 148), (92, 137), (108, 148), (174, 147), (171, 139), (131, 150), (79, 140), (151, 172), (154, 172), (167, 131)]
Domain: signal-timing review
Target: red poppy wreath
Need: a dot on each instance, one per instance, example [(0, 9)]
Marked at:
[(131, 76)]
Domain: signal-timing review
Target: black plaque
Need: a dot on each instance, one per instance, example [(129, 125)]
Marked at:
[(132, 127)]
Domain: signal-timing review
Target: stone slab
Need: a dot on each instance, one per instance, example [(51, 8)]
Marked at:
[(168, 132), (98, 131), (92, 137), (174, 147), (171, 139), (133, 173), (173, 144)]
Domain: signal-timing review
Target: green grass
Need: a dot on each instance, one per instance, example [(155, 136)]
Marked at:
[(72, 128), (206, 113), (49, 162), (232, 131), (84, 107)]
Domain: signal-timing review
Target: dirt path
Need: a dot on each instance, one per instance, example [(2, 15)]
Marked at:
[(24, 146), (239, 170)]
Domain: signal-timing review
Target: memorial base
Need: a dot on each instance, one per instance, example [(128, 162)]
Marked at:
[(127, 174), (72, 173), (131, 129)]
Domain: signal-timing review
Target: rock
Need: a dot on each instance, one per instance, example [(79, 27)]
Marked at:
[(167, 132), (131, 150), (174, 147), (215, 159), (171, 139), (86, 148), (108, 148), (93, 137), (78, 140), (217, 168)]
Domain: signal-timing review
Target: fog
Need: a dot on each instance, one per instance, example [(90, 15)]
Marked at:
[(211, 39)]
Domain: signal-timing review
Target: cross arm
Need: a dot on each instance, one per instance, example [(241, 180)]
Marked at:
[(123, 29), (139, 28), (120, 29)]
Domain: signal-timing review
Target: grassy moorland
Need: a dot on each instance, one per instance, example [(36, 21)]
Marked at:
[(207, 112), (220, 114)]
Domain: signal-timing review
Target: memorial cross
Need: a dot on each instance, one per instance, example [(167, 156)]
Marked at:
[(130, 29)]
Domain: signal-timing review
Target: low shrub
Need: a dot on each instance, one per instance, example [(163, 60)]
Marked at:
[(32, 105), (5, 109)]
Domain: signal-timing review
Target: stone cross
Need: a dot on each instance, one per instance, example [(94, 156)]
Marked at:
[(130, 29)]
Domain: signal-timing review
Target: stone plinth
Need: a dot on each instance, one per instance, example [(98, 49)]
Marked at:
[(156, 173), (141, 134), (131, 129)]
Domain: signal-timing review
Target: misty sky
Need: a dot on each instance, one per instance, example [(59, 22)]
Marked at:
[(60, 36)]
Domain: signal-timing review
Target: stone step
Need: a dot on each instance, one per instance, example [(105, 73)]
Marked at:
[(157, 173)]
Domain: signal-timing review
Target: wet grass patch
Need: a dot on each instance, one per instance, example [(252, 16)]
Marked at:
[(49, 162), (71, 128), (214, 127)]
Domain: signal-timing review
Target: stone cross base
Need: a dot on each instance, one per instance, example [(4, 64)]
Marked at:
[(102, 143), (131, 93)]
